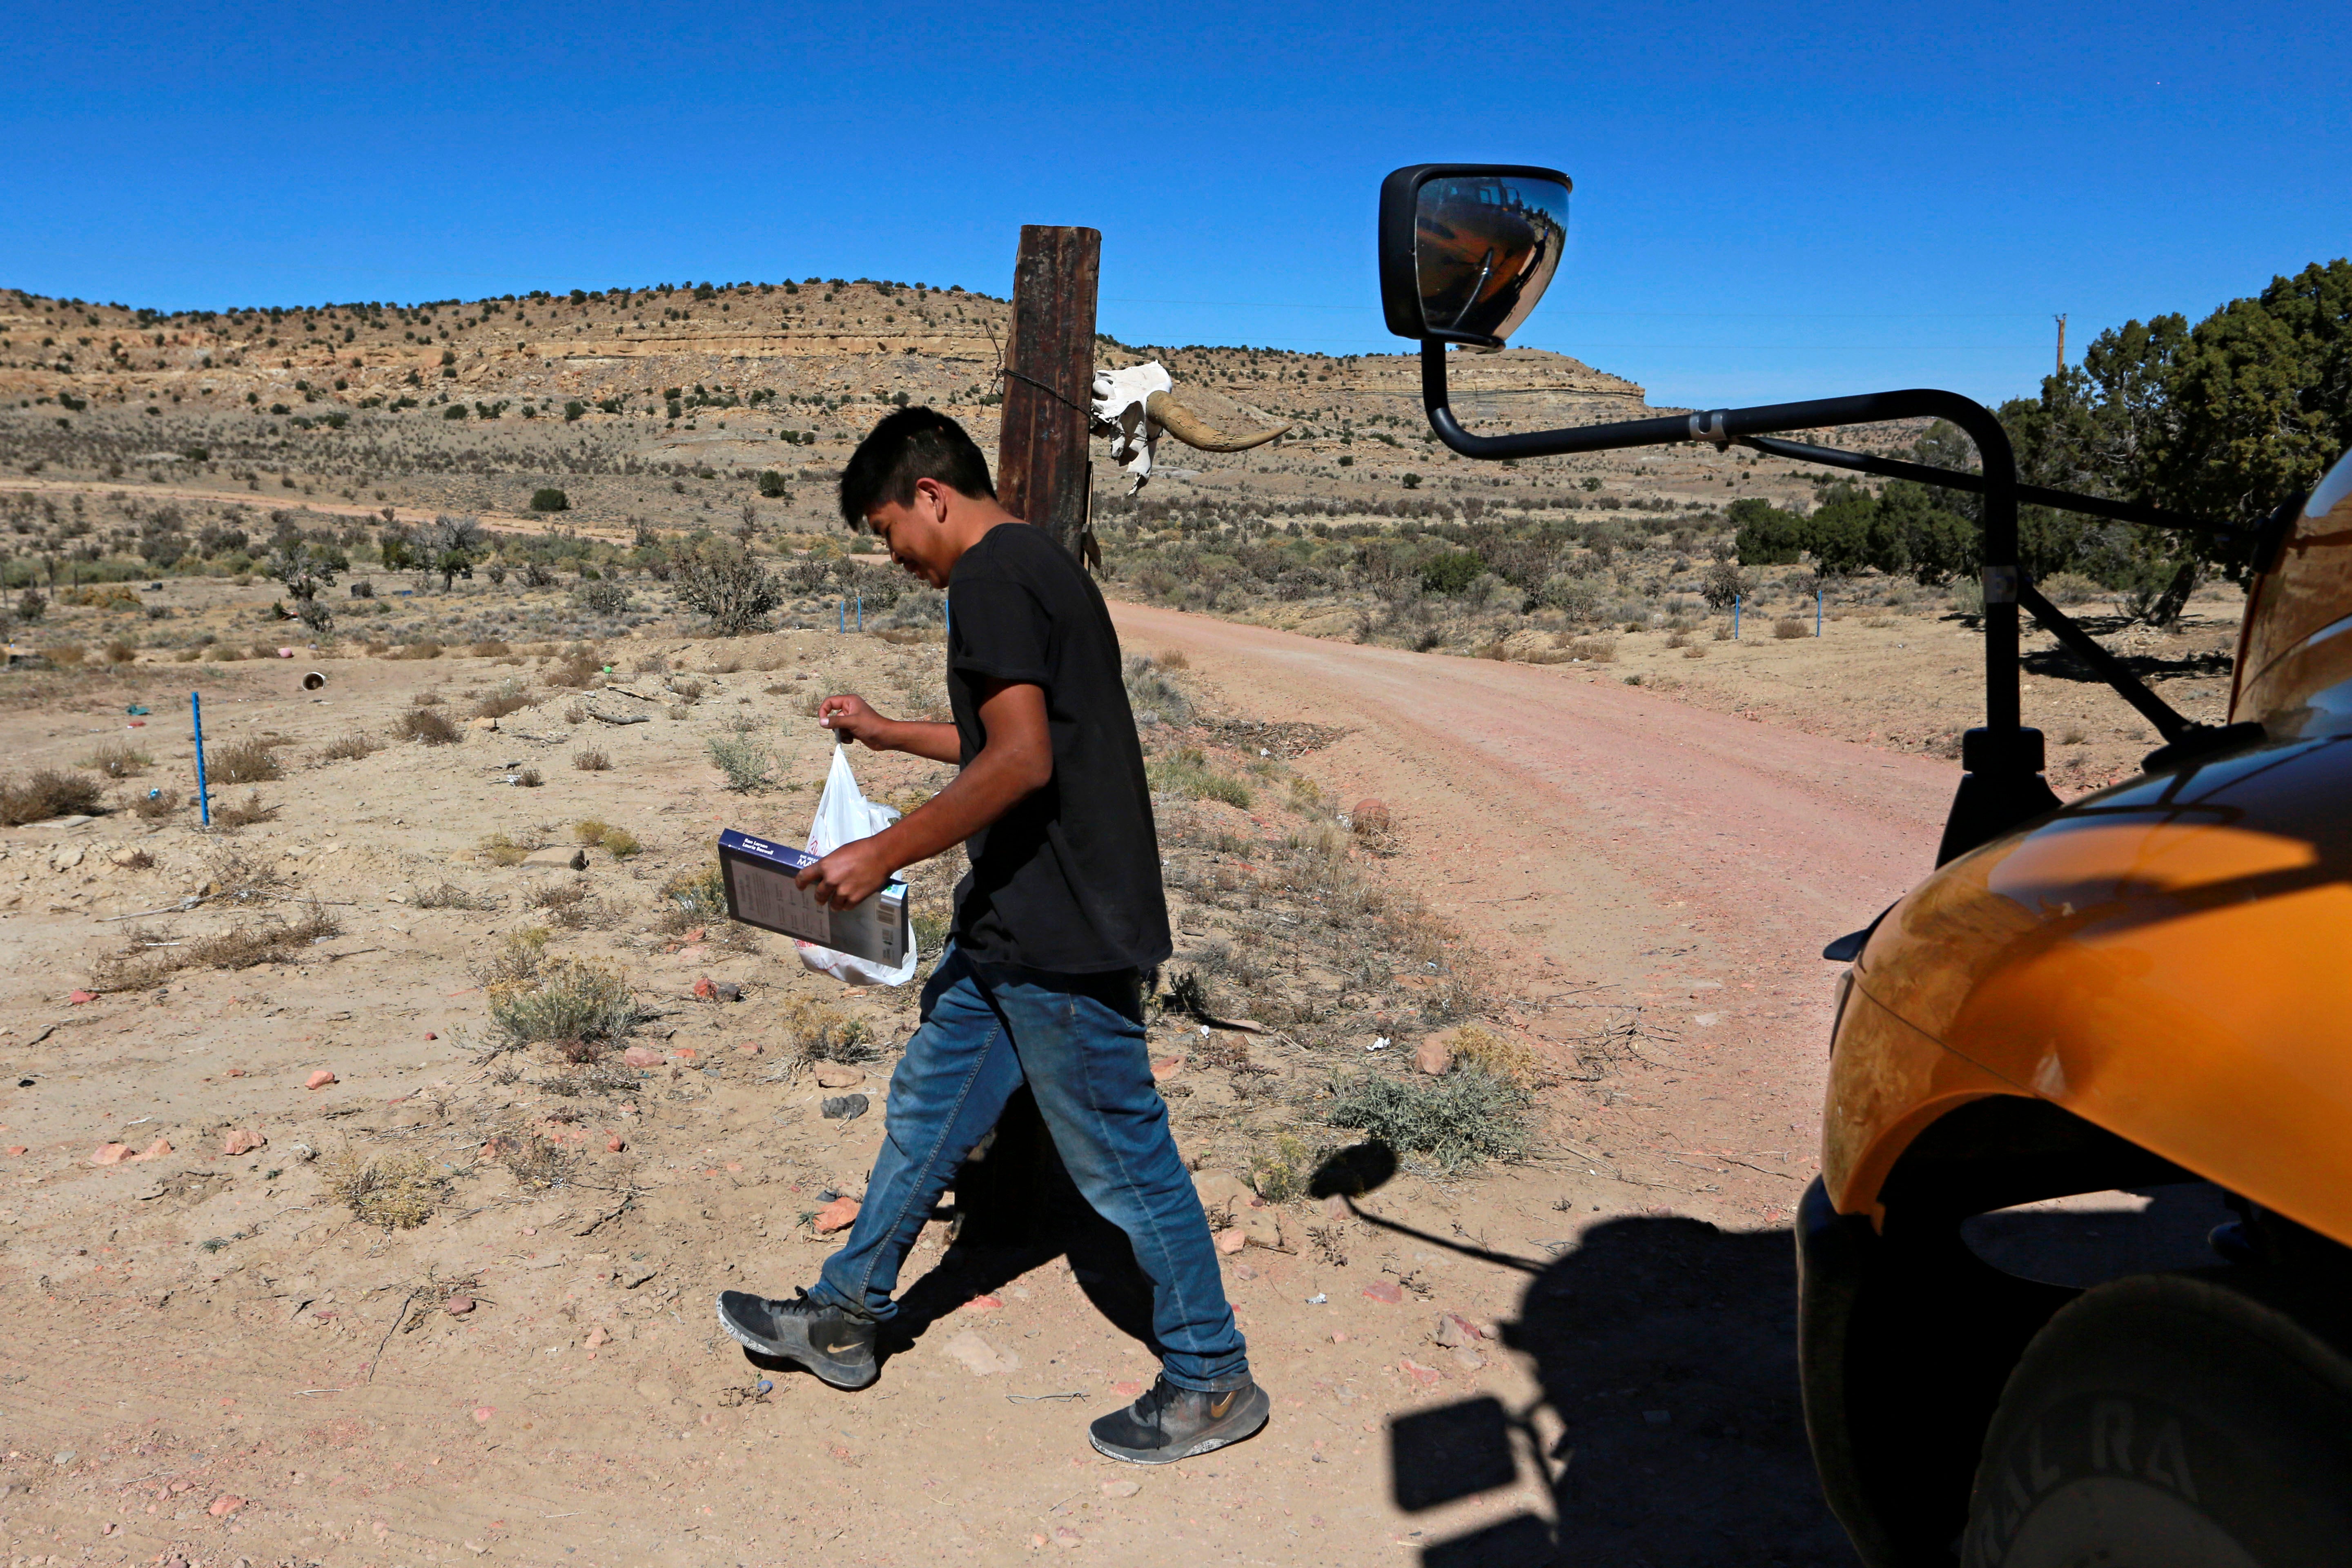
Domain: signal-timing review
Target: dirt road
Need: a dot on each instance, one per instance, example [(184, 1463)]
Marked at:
[(1597, 837)]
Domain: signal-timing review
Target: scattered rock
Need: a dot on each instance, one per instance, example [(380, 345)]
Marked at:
[(458, 1306), (1126, 1389), (111, 1154), (1230, 1241), (79, 998), (482, 1413), (558, 858), (243, 1141), (1167, 1068), (983, 1304), (16, 1148), (304, 1153), (1426, 1376), (483, 723), (979, 1357), (224, 1506), (703, 989), (155, 1151), (1453, 1330), (1433, 1056), (845, 1107), (1120, 1488), (125, 855), (1259, 1227), (1467, 1359), (750, 1048), (597, 1337), (726, 991), (318, 1079), (641, 1057), (1221, 1191), (837, 1075), (1369, 816), (837, 1214), (615, 1143), (1385, 1290)]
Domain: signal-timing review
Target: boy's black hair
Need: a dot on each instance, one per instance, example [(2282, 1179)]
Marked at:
[(912, 444)]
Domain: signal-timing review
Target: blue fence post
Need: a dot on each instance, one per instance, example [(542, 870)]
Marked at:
[(841, 616), (861, 611), (1735, 618), (196, 717), (1817, 612)]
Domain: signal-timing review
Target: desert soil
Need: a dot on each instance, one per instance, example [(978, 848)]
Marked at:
[(212, 1357)]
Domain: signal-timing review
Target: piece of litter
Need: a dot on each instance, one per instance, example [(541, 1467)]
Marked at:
[(1035, 1398), (1318, 1299), (1379, 1043)]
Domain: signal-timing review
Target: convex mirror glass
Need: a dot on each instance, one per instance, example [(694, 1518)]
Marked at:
[(1483, 246)]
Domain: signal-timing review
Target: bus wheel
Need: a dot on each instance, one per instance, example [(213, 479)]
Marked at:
[(2166, 1421)]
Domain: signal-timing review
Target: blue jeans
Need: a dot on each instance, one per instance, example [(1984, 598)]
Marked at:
[(1078, 1040)]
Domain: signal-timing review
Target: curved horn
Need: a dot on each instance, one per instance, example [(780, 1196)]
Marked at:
[(1193, 431)]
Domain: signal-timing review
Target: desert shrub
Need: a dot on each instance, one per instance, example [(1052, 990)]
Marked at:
[(1464, 1118), (349, 748), (825, 1034), (1452, 572), (424, 724), (1149, 692), (694, 898), (1595, 650), (398, 1192), (603, 597), (577, 666), (501, 850), (722, 581), (1505, 1059), (120, 652), (156, 807), (547, 498), (2069, 588), (589, 760), (426, 649), (144, 960), (243, 762), (1787, 629), (565, 999), (490, 649), (45, 793), (744, 760), (237, 815), (1280, 1173), (118, 759), (620, 843), (772, 484), (65, 655), (507, 699)]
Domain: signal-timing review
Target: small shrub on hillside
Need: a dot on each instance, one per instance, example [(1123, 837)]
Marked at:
[(424, 724), (1787, 629), (507, 699), (724, 583), (449, 895), (236, 816), (589, 760), (566, 999), (547, 498), (694, 898), (349, 748), (1185, 774), (398, 1192), (157, 807), (744, 760), (1465, 1117), (118, 759), (44, 793), (1151, 692), (243, 762)]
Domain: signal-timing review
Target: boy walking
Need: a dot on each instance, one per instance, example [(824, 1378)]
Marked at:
[(1040, 983)]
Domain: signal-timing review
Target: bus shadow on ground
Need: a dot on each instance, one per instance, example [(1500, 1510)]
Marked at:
[(1669, 1429)]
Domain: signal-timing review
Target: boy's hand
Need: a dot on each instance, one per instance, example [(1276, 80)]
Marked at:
[(851, 716), (850, 876)]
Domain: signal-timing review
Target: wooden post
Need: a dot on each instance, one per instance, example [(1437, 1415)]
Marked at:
[(1042, 467)]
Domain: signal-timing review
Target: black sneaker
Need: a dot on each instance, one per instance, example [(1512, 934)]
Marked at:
[(837, 1346), (1171, 1423)]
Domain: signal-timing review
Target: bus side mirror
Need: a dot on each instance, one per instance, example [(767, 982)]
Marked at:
[(1466, 249)]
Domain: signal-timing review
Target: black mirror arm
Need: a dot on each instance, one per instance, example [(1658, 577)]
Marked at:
[(2029, 495), (2003, 786)]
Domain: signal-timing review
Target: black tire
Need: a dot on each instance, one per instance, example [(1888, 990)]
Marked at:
[(2167, 1421)]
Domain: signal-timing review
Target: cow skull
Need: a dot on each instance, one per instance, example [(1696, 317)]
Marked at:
[(1135, 404)]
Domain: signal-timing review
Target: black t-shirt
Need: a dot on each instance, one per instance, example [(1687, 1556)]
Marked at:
[(1069, 879)]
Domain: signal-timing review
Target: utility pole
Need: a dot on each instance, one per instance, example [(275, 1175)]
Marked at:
[(1043, 466), (2062, 342)]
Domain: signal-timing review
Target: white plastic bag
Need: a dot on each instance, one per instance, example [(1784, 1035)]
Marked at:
[(844, 815)]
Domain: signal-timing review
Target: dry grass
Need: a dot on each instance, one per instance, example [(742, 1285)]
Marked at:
[(1787, 629), (398, 1192), (578, 666), (118, 759), (691, 899), (1465, 1117), (1696, 650), (426, 725), (500, 703), (157, 807), (744, 761), (499, 850), (449, 895), (120, 652), (349, 748), (820, 1033), (535, 1162), (490, 650), (589, 760), (1505, 1059), (147, 959), (65, 655), (45, 793), (1593, 650), (427, 649), (251, 761), (235, 816)]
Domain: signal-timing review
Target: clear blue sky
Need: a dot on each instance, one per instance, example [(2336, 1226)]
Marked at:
[(1813, 201)]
